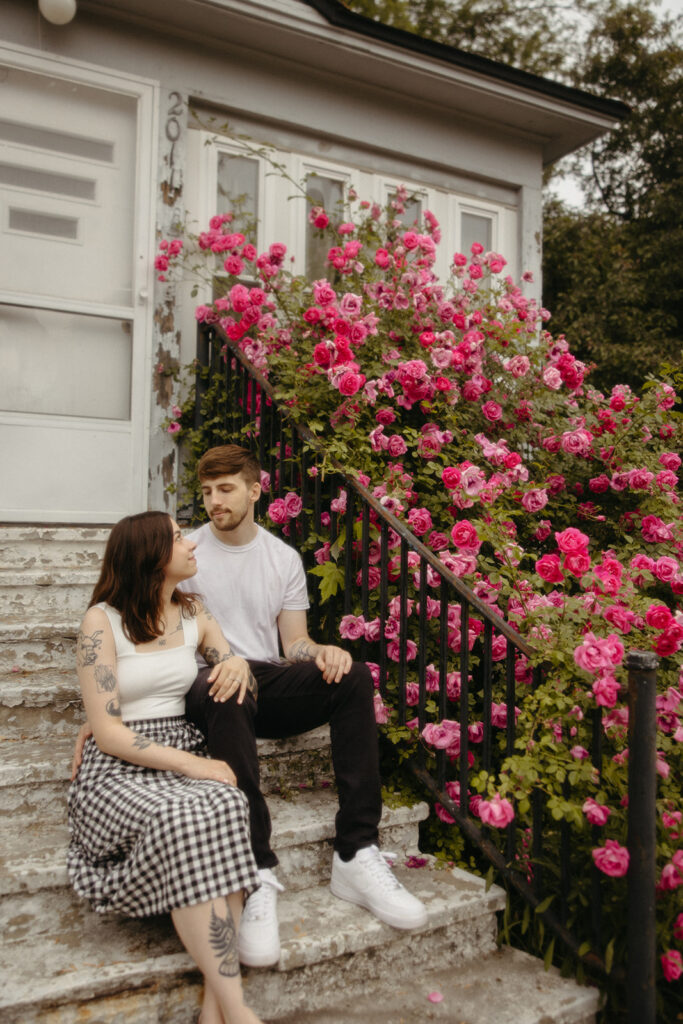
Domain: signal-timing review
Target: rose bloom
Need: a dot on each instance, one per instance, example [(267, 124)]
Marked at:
[(498, 811), (571, 541), (548, 568), (599, 484), (612, 859), (464, 536), (396, 446), (293, 504), (277, 511), (579, 753), (658, 616), (419, 520), (451, 477), (577, 563), (352, 627), (350, 383), (672, 964), (654, 530), (606, 690), (596, 813), (552, 378), (666, 569), (535, 500), (492, 411), (678, 928), (670, 461), (381, 710)]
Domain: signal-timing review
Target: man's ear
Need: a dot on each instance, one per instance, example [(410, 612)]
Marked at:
[(255, 492)]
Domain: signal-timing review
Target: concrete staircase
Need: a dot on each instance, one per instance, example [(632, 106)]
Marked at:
[(64, 964)]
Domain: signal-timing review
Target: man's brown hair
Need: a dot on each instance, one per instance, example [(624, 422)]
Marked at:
[(227, 459)]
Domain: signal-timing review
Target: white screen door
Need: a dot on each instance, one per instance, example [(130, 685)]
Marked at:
[(74, 227)]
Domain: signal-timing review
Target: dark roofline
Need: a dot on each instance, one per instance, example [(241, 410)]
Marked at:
[(337, 14)]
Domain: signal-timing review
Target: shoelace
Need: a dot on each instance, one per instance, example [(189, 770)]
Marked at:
[(378, 864), (261, 904)]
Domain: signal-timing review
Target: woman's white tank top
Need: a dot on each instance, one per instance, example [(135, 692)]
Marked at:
[(153, 684)]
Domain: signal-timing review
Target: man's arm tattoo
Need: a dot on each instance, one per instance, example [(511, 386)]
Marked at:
[(87, 647), (213, 657), (224, 943), (302, 650), (105, 680)]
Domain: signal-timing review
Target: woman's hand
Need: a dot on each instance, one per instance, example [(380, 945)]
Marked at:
[(207, 768), (84, 733), (230, 676)]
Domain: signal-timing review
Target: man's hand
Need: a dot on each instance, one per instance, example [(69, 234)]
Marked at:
[(230, 676), (333, 662), (83, 733)]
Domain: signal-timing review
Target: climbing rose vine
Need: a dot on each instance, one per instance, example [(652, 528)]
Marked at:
[(558, 504)]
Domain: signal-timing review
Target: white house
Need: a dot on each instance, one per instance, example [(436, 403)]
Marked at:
[(103, 125)]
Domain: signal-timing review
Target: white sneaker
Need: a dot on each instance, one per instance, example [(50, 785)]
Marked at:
[(368, 881), (259, 936)]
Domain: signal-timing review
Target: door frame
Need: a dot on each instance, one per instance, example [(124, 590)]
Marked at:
[(145, 92)]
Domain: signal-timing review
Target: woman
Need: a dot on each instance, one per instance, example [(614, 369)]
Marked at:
[(156, 827)]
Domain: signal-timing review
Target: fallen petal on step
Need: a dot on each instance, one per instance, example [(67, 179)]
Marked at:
[(435, 997)]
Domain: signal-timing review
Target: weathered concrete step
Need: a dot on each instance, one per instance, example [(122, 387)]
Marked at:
[(35, 547), (33, 851), (34, 594), (79, 970), (505, 987), (45, 704), (34, 774), (29, 644)]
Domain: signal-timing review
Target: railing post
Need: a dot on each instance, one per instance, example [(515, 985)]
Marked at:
[(642, 845)]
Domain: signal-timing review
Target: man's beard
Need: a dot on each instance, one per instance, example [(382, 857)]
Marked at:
[(234, 520)]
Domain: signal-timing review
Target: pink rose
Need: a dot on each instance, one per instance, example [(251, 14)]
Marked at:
[(352, 627), (419, 520), (658, 616), (464, 536), (577, 563), (654, 530), (678, 928), (596, 813), (535, 500), (350, 383), (442, 735), (293, 504), (277, 511), (672, 964), (606, 690), (451, 477), (492, 411), (571, 541), (396, 446), (612, 859), (498, 811), (670, 461), (640, 479), (381, 710), (666, 569)]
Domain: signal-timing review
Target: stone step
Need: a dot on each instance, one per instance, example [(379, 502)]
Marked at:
[(30, 644), (504, 987), (33, 851), (41, 594), (41, 547), (45, 704), (64, 964), (34, 774)]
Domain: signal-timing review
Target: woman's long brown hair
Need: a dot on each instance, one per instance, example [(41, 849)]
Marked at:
[(132, 575)]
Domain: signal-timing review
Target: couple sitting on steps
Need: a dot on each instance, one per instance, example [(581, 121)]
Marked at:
[(157, 828)]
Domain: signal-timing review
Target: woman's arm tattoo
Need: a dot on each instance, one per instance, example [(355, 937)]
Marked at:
[(87, 647), (223, 941), (213, 657), (105, 680), (141, 742), (114, 708)]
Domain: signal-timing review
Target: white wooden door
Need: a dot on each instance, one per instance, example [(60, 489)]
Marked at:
[(75, 244)]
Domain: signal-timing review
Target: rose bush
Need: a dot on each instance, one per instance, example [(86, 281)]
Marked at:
[(559, 505)]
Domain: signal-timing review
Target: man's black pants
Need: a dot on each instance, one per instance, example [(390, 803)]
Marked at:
[(293, 698)]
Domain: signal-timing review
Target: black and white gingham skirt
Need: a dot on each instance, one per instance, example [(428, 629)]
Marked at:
[(145, 842)]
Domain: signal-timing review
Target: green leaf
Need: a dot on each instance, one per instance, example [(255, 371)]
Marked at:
[(609, 956), (548, 958), (331, 579), (543, 906)]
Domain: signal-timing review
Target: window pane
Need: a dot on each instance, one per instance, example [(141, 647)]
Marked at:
[(238, 192), (58, 142), (39, 223), (474, 228), (45, 181), (64, 364), (412, 213), (328, 193)]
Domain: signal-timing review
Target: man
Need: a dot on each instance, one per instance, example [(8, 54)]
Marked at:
[(254, 584)]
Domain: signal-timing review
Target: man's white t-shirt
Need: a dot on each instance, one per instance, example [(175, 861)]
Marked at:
[(245, 588)]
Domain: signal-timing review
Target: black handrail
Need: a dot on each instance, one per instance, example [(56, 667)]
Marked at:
[(252, 415)]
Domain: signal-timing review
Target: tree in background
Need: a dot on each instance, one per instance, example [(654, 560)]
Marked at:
[(613, 271)]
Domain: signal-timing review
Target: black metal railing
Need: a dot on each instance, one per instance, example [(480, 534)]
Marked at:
[(366, 537)]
